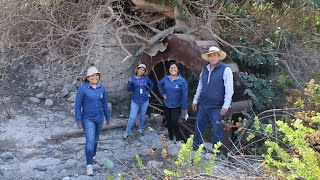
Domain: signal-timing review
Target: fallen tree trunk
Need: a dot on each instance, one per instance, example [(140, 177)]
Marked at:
[(80, 131)]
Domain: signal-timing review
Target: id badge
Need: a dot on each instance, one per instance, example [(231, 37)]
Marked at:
[(141, 90)]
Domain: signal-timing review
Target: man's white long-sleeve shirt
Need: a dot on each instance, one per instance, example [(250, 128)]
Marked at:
[(228, 85)]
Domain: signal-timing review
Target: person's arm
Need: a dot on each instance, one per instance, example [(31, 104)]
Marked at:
[(78, 105), (151, 85), (105, 105), (228, 85), (184, 89), (160, 87), (199, 88), (130, 84), (197, 95)]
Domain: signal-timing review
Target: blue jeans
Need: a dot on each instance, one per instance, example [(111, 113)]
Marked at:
[(134, 109), (204, 115), (92, 131)]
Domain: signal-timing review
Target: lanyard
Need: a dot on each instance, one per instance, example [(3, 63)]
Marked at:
[(140, 82)]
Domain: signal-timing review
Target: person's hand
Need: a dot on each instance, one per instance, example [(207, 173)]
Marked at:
[(184, 111), (79, 126), (223, 111), (130, 79), (194, 107), (107, 123), (164, 96)]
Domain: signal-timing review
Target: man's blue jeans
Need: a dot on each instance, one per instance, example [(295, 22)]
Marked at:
[(92, 131), (204, 115), (134, 109)]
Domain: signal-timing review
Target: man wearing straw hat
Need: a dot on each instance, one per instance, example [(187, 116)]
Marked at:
[(213, 95)]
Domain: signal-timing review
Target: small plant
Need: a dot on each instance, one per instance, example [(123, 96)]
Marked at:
[(139, 162), (208, 167), (185, 153), (121, 176), (186, 162)]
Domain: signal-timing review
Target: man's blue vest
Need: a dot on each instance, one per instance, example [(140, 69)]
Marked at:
[(212, 94)]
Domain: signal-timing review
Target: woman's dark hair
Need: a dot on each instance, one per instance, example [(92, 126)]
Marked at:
[(86, 80), (139, 68)]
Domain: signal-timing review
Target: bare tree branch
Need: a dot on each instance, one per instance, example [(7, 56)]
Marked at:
[(163, 9)]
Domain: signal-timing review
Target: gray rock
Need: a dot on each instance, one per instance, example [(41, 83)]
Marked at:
[(208, 156), (48, 153), (155, 164), (7, 155), (96, 167), (41, 168), (36, 73), (64, 92), (71, 162), (41, 84), (40, 78), (72, 97), (173, 150), (40, 95), (107, 163), (1, 162), (66, 178), (56, 117), (49, 102), (57, 95), (82, 177), (74, 85), (67, 87), (34, 100), (51, 88), (155, 143)]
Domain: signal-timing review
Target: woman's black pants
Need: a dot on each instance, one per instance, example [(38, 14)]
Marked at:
[(172, 118)]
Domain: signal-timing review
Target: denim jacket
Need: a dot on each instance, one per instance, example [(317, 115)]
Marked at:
[(91, 103), (141, 88), (176, 92)]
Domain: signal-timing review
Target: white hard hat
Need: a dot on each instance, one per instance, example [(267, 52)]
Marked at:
[(92, 70)]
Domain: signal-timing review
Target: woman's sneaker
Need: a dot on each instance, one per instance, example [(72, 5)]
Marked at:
[(140, 132), (89, 170), (125, 136)]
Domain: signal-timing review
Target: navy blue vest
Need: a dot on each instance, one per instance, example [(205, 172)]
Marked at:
[(212, 94)]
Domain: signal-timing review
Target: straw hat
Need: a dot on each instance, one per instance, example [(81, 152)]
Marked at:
[(214, 49), (142, 66)]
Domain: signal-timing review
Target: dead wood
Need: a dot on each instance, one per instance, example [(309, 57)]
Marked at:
[(77, 133), (163, 9), (8, 115)]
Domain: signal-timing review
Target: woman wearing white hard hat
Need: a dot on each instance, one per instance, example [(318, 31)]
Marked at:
[(91, 107), (141, 87)]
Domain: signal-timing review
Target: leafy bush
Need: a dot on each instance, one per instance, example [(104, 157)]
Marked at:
[(259, 90), (299, 157), (299, 160)]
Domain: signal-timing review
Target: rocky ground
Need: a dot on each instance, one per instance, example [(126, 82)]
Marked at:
[(34, 108), (28, 150)]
